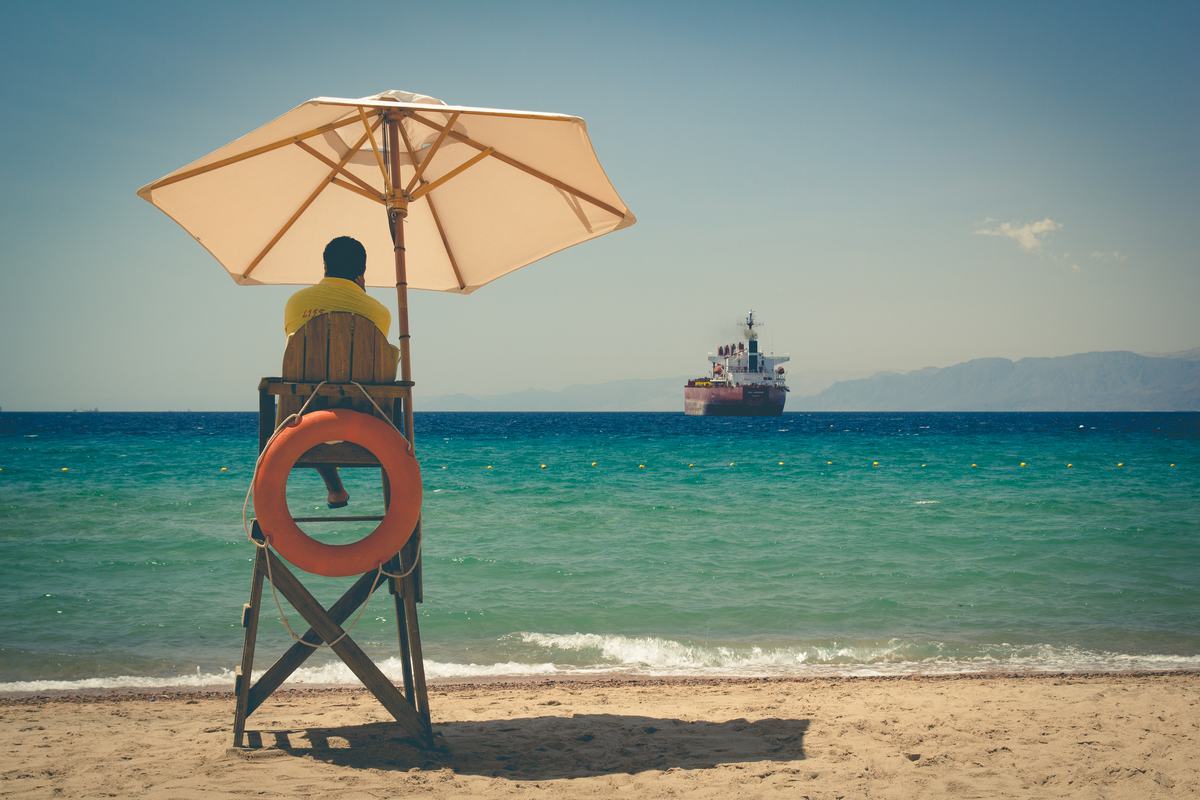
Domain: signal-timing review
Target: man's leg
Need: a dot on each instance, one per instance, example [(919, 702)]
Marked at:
[(338, 496)]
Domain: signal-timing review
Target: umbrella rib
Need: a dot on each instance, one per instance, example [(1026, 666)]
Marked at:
[(356, 190), (329, 162), (412, 154), (441, 137), (512, 162), (437, 220), (328, 179), (461, 168), (266, 148), (362, 115)]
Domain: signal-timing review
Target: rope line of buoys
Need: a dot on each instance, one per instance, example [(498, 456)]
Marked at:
[(875, 464)]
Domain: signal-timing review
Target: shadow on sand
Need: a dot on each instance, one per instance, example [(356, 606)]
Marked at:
[(543, 748)]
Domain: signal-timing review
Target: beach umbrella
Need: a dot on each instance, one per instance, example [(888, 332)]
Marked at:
[(458, 196)]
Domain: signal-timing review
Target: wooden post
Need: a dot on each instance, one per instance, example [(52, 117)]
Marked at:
[(394, 586), (266, 417), (250, 623), (397, 211), (397, 589), (414, 640), (410, 635)]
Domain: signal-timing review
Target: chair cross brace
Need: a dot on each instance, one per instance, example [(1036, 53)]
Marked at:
[(410, 709)]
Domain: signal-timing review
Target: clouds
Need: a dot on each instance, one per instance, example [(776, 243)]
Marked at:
[(1027, 236), (1030, 237)]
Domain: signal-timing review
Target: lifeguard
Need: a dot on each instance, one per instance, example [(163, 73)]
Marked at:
[(342, 289)]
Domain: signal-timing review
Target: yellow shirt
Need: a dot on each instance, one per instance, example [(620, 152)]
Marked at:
[(333, 294)]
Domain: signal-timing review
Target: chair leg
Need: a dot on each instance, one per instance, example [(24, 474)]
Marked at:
[(417, 658), (393, 567), (250, 623), (402, 635)]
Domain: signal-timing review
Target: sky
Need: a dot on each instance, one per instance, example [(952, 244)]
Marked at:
[(889, 186)]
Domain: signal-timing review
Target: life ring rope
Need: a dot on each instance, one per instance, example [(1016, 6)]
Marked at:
[(380, 572)]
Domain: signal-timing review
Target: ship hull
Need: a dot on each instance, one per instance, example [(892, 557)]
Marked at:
[(733, 401)]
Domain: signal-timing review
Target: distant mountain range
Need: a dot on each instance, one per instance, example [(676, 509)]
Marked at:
[(1105, 381), (1111, 381)]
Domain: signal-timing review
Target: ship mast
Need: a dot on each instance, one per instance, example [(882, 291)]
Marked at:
[(752, 335)]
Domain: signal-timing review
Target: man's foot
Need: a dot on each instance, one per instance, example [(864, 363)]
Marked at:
[(338, 496)]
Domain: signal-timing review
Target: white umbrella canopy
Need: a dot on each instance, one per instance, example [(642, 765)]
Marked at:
[(485, 191)]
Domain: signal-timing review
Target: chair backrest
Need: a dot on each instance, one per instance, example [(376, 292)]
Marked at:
[(339, 347)]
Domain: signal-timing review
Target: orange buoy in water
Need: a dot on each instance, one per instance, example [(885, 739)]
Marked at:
[(404, 489)]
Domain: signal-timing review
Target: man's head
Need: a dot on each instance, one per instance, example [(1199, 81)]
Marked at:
[(346, 258)]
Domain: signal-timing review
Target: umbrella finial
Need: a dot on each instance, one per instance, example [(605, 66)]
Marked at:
[(401, 96)]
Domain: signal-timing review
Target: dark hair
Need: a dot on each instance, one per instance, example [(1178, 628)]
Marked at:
[(345, 257)]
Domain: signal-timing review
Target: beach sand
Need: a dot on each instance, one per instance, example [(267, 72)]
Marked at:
[(1106, 736)]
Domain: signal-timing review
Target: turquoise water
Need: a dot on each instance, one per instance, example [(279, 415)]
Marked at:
[(742, 546)]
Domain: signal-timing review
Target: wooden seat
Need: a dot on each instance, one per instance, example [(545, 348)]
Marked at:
[(340, 349)]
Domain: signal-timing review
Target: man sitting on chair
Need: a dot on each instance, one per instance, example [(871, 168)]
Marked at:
[(342, 289)]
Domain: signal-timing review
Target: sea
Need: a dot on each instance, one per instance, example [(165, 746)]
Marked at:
[(812, 544)]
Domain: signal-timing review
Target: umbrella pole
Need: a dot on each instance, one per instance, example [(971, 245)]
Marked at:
[(410, 587), (397, 211)]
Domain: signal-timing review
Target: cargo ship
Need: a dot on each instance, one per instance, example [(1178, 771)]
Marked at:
[(742, 382)]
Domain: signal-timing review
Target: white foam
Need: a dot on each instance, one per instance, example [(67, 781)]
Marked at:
[(334, 673), (593, 653), (196, 680), (655, 656)]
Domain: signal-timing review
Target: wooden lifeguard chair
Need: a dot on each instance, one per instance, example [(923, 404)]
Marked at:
[(338, 349)]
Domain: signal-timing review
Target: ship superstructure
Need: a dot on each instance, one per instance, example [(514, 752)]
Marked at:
[(742, 382)]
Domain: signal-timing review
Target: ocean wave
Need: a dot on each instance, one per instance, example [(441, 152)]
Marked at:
[(333, 673), (553, 654), (656, 656), (197, 680)]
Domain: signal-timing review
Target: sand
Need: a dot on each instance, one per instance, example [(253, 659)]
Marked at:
[(1110, 736)]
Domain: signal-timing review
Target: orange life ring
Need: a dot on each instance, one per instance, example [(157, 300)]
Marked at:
[(404, 484)]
